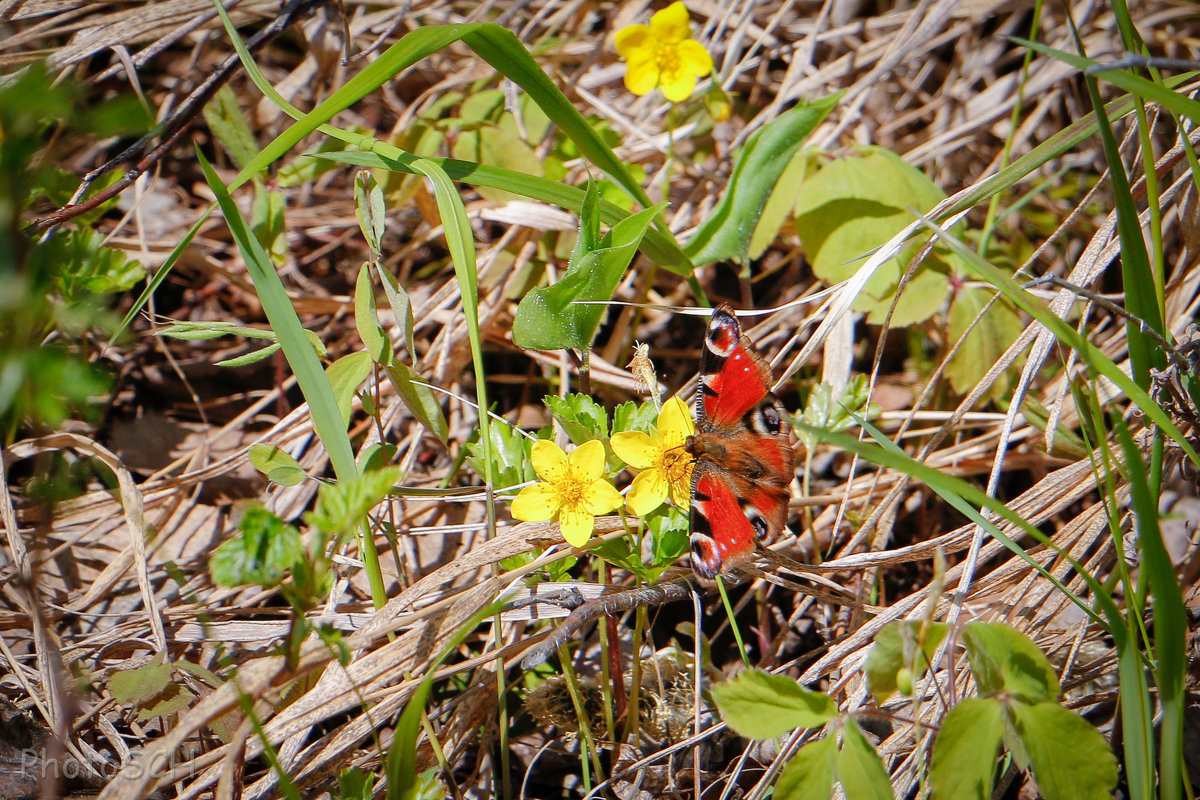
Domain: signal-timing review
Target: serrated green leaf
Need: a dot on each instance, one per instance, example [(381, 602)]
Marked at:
[(630, 416), (727, 232), (371, 210), (669, 536), (419, 398), (264, 550), (987, 341), (1071, 760), (581, 417), (366, 321), (343, 505), (1005, 660), (549, 318), (898, 647), (809, 774), (859, 767), (964, 754), (136, 686), (345, 376), (759, 705), (510, 456)]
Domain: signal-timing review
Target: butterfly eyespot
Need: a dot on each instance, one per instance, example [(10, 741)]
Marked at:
[(757, 520), (705, 561), (766, 421)]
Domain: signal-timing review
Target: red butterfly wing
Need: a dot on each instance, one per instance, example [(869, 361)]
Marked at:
[(743, 452), (733, 379), (722, 534)]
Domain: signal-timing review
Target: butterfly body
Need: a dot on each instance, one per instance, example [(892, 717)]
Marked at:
[(742, 451)]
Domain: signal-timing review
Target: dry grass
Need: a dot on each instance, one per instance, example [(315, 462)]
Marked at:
[(121, 577)]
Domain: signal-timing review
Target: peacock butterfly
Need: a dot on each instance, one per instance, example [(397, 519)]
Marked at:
[(742, 452)]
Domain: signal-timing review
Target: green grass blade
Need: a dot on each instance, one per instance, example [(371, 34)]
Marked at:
[(1070, 337), (662, 249), (1170, 617), (967, 499), (659, 244), (310, 375)]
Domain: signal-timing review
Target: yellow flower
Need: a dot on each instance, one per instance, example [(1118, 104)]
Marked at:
[(663, 55), (571, 489), (666, 467)]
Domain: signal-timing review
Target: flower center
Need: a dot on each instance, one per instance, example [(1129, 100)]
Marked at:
[(667, 57), (570, 489)]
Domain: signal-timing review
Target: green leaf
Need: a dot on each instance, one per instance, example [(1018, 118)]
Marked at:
[(987, 341), (657, 245), (495, 146), (854, 204), (137, 686), (1005, 660), (276, 464), (727, 232), (420, 399), (859, 767), (268, 224), (342, 506), (580, 416), (510, 456), (296, 342), (266, 548), (1071, 760), (252, 357), (809, 774), (669, 536), (400, 304), (171, 699), (199, 331), (228, 124), (345, 376), (964, 754), (370, 209), (831, 414), (548, 318), (759, 705), (366, 321), (898, 647), (779, 206), (630, 416)]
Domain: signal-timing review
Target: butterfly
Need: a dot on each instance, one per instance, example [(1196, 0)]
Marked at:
[(742, 451)]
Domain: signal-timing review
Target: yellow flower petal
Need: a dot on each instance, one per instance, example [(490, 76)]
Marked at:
[(675, 423), (694, 58), (587, 461), (601, 497), (537, 502), (631, 39), (576, 526), (548, 459), (647, 492), (641, 75), (677, 86), (671, 24), (635, 448)]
